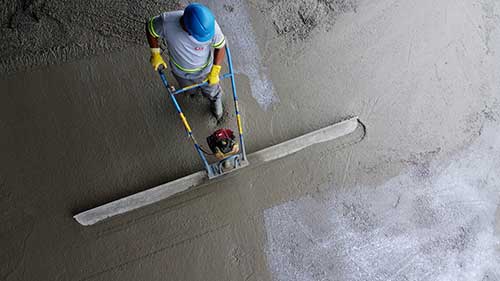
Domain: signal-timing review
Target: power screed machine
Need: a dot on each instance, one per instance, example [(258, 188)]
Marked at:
[(229, 152), (231, 155)]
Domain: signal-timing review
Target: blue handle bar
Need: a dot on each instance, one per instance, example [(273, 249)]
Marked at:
[(194, 86)]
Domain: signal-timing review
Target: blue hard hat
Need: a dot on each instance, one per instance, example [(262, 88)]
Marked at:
[(199, 22)]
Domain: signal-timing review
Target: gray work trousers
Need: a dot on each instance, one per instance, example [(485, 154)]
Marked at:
[(212, 92)]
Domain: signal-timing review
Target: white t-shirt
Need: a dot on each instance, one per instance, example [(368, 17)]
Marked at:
[(185, 52)]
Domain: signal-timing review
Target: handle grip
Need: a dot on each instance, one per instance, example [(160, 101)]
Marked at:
[(194, 86), (161, 68)]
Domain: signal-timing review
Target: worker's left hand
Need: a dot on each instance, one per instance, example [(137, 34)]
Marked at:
[(213, 76)]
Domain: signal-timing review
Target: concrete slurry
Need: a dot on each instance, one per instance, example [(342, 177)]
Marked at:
[(49, 32), (416, 200)]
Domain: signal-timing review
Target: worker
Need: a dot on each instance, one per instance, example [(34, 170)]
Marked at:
[(195, 46)]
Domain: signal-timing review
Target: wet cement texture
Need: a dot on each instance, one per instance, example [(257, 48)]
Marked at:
[(46, 32), (84, 120), (295, 20), (420, 227)]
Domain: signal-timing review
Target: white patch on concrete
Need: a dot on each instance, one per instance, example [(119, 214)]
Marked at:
[(234, 19), (438, 225)]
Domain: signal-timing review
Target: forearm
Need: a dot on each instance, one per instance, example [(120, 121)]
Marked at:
[(153, 41), (156, 60), (219, 56)]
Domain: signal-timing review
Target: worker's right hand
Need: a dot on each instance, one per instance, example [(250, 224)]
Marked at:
[(156, 59)]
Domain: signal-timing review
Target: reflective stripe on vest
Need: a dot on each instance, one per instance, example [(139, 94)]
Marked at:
[(187, 70), (218, 45), (151, 28)]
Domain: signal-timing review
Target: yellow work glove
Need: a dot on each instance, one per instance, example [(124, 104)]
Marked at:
[(213, 76), (156, 59)]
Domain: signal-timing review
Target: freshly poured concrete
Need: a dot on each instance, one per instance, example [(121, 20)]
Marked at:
[(439, 228), (416, 200)]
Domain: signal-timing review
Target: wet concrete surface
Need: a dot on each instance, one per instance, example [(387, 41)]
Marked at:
[(39, 33), (416, 200)]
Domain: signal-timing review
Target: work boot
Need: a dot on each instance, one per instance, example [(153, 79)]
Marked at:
[(217, 109)]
